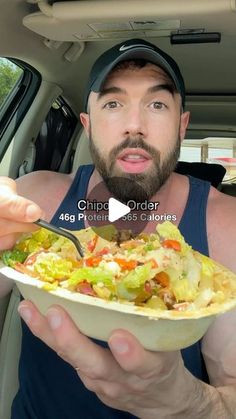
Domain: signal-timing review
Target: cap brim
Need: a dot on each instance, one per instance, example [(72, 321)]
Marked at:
[(143, 53)]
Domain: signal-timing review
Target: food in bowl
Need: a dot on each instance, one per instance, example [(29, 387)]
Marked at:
[(159, 271), (154, 285)]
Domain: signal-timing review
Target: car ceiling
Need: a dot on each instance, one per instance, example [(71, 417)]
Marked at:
[(208, 68)]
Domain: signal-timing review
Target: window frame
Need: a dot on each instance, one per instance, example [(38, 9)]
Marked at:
[(17, 102)]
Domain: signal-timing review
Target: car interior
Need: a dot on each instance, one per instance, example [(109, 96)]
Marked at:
[(50, 46)]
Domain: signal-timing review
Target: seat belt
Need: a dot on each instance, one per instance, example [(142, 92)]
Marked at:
[(29, 160), (67, 161)]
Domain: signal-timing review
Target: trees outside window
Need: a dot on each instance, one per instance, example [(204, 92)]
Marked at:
[(10, 73)]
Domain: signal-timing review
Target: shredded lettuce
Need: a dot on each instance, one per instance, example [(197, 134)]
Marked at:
[(125, 293), (130, 287), (92, 275), (40, 239), (60, 243), (208, 267), (169, 231), (138, 277), (52, 267), (156, 303), (183, 290), (10, 257), (192, 269), (185, 279)]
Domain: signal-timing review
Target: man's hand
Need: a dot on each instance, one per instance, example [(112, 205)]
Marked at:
[(126, 377), (16, 213)]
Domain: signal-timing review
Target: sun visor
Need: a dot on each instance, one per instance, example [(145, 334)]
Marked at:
[(96, 20)]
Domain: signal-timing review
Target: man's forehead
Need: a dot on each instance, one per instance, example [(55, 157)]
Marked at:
[(150, 70)]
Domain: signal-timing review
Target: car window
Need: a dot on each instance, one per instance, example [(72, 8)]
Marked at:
[(10, 73), (212, 150), (19, 83)]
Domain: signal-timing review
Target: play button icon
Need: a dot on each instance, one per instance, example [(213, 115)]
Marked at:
[(101, 208), (116, 210)]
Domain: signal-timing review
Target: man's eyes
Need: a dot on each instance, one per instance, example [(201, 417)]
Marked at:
[(112, 104), (157, 105)]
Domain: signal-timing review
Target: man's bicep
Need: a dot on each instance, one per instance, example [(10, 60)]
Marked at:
[(219, 350)]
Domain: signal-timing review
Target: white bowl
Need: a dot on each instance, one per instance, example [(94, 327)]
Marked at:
[(166, 330)]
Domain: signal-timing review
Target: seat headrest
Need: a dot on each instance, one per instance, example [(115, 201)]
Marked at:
[(211, 172), (82, 154)]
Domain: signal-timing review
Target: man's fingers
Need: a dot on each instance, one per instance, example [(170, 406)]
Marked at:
[(16, 213), (8, 183), (126, 356), (37, 322), (74, 347), (7, 227), (7, 242), (13, 205), (133, 358), (59, 332)]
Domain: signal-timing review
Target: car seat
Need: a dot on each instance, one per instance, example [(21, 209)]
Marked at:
[(10, 345)]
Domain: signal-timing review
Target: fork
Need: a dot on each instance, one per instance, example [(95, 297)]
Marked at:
[(61, 232)]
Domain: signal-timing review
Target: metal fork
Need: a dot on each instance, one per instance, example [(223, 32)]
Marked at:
[(61, 232)]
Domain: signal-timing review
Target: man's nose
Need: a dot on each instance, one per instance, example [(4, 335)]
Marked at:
[(135, 123)]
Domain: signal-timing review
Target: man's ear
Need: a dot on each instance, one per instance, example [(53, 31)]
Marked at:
[(85, 121), (184, 120)]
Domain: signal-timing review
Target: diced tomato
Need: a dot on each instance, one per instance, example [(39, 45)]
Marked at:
[(163, 279), (102, 252), (93, 261), (126, 264), (85, 288), (92, 243), (172, 244)]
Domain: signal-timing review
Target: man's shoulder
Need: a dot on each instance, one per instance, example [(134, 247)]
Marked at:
[(221, 227), (42, 179), (220, 202)]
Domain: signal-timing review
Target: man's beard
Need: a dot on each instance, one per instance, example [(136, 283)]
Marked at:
[(134, 186)]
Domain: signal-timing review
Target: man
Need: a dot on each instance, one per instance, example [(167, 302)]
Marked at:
[(135, 120)]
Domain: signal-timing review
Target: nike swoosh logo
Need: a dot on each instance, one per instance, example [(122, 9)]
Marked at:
[(125, 47)]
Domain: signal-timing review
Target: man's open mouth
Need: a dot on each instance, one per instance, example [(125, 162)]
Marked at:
[(134, 160)]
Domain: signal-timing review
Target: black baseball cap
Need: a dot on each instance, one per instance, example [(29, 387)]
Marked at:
[(128, 50)]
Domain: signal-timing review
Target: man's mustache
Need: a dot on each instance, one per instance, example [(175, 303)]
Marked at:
[(134, 143)]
